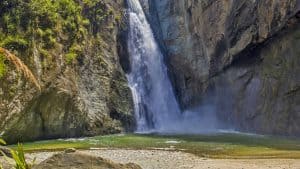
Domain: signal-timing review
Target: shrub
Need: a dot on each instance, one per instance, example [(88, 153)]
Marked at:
[(118, 18), (19, 158), (74, 52), (48, 38), (15, 43), (2, 142), (47, 22), (2, 71), (70, 57)]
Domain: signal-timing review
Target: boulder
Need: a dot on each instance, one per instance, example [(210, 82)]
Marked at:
[(81, 161), (5, 151)]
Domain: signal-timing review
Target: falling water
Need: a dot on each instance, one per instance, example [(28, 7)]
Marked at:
[(156, 108)]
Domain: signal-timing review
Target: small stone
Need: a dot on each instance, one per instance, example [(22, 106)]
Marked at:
[(5, 151), (70, 150)]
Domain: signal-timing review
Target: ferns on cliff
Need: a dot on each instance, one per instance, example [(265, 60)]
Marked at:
[(48, 23), (2, 67)]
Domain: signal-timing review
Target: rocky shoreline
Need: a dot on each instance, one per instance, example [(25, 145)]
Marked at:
[(153, 159)]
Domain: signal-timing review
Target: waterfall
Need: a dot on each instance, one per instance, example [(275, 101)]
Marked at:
[(156, 108)]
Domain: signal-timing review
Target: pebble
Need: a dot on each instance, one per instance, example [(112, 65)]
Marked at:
[(70, 150), (161, 159)]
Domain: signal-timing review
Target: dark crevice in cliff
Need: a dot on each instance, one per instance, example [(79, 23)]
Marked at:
[(122, 48), (216, 60), (127, 121)]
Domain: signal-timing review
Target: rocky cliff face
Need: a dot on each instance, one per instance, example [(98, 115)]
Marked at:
[(260, 92), (243, 55), (203, 38), (83, 87)]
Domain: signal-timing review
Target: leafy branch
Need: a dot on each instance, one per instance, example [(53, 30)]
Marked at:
[(18, 156)]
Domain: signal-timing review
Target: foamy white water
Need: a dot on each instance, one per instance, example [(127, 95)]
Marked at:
[(155, 104), (156, 108)]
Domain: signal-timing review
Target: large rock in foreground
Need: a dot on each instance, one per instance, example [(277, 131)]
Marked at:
[(81, 161)]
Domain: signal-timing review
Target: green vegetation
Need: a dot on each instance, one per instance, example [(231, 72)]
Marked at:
[(19, 158), (2, 142), (49, 24), (74, 52), (213, 146), (15, 43), (2, 65)]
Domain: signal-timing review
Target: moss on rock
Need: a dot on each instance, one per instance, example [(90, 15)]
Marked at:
[(71, 48)]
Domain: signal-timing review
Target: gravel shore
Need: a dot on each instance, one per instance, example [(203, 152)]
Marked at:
[(160, 159)]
